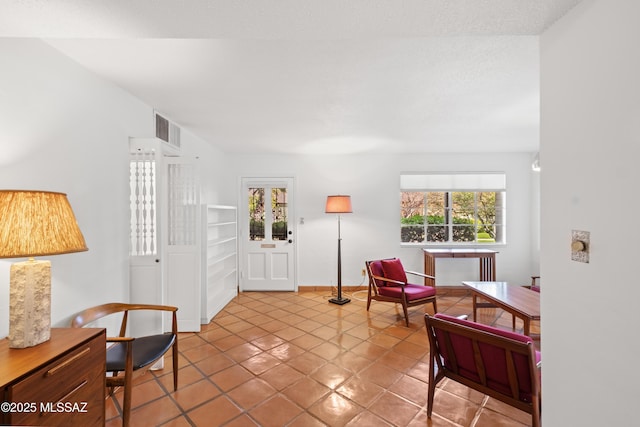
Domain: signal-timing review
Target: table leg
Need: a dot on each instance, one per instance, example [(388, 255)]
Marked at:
[(475, 299)]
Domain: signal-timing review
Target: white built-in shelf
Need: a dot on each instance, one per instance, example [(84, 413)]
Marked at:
[(220, 259)]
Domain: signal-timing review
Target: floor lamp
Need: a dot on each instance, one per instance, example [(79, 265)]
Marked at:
[(339, 205), (34, 223)]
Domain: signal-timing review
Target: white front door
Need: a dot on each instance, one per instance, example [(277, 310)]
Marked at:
[(267, 234)]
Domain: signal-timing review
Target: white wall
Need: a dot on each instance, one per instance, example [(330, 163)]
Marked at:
[(373, 230), (590, 146), (63, 129)]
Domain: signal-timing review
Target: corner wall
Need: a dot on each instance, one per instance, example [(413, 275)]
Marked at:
[(590, 145)]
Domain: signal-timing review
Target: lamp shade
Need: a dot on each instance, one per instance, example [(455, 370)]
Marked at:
[(35, 223), (338, 204)]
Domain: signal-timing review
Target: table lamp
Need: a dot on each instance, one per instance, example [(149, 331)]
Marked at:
[(339, 204), (34, 223)]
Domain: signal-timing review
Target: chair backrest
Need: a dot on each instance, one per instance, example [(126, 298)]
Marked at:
[(390, 268), (374, 268), (94, 313), (535, 283), (495, 362)]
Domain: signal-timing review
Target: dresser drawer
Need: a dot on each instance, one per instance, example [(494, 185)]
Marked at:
[(68, 391)]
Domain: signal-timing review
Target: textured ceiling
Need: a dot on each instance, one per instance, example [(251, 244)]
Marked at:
[(316, 76)]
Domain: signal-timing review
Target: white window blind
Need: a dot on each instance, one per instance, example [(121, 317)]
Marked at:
[(453, 181)]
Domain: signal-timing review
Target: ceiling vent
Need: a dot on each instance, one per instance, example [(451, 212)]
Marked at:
[(168, 131)]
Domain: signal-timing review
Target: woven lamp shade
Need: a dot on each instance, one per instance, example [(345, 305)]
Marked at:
[(36, 223)]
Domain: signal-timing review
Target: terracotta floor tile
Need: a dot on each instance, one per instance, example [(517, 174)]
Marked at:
[(243, 420), (351, 361), (261, 363), (195, 394), (231, 377), (154, 413), (454, 408), (360, 390), (267, 342), (201, 352), (243, 352), (215, 412), (411, 389), (345, 341), (275, 412), (421, 420), (251, 393), (380, 374), (325, 332), (384, 340), (508, 411), (335, 410), (397, 361), (252, 333), (489, 418), (306, 420), (420, 371), (306, 392), (282, 376), (331, 375), (368, 419), (307, 341), (289, 333), (286, 351), (278, 358), (306, 362), (228, 342), (394, 409), (369, 350), (326, 350), (213, 364)]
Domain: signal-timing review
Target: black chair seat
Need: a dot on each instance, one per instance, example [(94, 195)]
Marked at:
[(146, 350)]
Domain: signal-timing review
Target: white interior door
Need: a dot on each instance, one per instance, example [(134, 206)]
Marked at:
[(145, 249), (182, 259), (267, 237)]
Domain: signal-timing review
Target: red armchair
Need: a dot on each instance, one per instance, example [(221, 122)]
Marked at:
[(388, 283), (498, 363)]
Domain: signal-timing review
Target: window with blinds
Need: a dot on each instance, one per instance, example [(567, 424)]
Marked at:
[(452, 208)]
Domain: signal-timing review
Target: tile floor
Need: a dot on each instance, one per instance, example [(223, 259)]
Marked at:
[(294, 359)]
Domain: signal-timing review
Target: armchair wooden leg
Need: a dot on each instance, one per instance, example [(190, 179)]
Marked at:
[(126, 403), (175, 366), (406, 314)]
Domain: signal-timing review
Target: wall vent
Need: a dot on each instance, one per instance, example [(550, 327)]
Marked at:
[(168, 132)]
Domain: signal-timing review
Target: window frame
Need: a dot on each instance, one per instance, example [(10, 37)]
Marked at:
[(454, 182)]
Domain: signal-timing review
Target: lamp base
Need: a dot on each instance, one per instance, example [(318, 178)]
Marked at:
[(339, 300), (30, 303)]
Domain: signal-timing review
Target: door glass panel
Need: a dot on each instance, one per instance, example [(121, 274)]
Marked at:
[(256, 213), (279, 211), (142, 180)]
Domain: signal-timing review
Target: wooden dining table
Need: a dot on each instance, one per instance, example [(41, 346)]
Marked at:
[(519, 301)]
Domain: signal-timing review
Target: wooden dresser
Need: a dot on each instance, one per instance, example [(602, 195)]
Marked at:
[(60, 382)]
